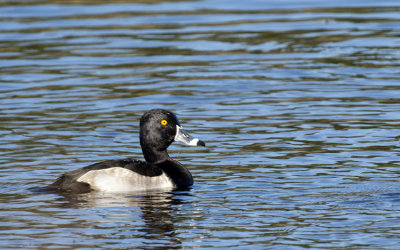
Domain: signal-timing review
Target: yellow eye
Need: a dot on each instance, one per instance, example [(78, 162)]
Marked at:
[(164, 122)]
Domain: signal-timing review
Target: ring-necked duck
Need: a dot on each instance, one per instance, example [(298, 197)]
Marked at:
[(158, 129)]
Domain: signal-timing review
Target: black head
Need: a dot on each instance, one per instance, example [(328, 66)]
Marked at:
[(158, 129)]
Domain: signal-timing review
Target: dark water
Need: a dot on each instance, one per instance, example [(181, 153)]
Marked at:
[(298, 101)]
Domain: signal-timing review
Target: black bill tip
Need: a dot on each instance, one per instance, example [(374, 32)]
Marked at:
[(201, 143)]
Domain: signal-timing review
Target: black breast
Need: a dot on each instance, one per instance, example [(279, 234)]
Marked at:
[(179, 175)]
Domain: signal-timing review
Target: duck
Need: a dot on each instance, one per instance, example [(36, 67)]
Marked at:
[(159, 128)]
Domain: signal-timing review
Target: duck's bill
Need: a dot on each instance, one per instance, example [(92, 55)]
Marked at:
[(183, 136)]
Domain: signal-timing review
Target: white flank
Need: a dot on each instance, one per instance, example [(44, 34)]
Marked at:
[(118, 179)]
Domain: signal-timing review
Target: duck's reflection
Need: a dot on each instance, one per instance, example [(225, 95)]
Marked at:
[(157, 212)]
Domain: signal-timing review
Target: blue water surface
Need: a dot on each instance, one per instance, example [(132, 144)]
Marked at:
[(298, 102)]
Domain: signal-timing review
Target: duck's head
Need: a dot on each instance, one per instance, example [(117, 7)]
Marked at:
[(158, 129)]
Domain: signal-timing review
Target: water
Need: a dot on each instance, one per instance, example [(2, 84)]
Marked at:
[(298, 102)]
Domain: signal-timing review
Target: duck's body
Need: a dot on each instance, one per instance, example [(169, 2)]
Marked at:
[(158, 129)]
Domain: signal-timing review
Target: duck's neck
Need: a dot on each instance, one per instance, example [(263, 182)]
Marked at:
[(152, 155)]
